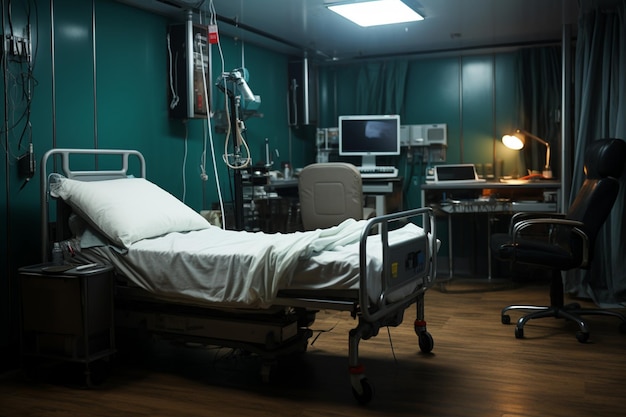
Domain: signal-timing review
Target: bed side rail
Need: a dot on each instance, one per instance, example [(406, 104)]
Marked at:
[(413, 263), (63, 155)]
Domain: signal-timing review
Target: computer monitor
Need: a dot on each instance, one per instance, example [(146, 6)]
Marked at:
[(369, 136)]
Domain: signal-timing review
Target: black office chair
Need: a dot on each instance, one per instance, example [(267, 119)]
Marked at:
[(561, 242)]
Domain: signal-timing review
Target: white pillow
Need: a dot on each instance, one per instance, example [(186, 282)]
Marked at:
[(128, 210)]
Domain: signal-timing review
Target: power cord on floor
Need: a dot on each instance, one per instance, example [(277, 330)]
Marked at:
[(393, 351), (319, 333)]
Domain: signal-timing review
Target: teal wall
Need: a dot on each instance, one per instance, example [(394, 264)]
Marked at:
[(122, 104), (115, 95), (474, 95)]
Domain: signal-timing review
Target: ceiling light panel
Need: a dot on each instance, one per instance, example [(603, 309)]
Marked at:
[(376, 12)]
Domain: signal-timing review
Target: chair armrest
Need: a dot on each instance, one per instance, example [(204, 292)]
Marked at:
[(573, 226), (527, 215)]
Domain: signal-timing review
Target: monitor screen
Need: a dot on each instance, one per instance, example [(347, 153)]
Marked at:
[(369, 135)]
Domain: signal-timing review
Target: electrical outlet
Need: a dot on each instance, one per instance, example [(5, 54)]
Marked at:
[(17, 46)]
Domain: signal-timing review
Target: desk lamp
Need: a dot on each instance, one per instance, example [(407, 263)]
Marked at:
[(517, 140)]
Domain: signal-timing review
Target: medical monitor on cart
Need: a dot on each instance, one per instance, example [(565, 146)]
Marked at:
[(369, 136)]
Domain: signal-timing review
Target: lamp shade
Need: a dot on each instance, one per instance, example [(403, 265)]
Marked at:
[(513, 141)]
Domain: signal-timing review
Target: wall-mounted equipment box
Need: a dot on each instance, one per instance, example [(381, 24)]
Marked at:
[(190, 71), (424, 135)]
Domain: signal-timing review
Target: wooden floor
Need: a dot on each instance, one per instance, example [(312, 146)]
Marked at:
[(477, 368)]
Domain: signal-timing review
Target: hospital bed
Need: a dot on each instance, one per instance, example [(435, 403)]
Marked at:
[(180, 278)]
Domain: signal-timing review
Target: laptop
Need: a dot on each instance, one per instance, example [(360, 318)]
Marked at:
[(455, 174)]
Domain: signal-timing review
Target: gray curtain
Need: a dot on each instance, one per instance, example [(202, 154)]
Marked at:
[(381, 87), (600, 111), (539, 84)]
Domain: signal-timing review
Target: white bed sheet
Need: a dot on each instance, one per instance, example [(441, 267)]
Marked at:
[(244, 269)]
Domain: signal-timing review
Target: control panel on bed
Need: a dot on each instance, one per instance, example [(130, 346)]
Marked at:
[(407, 262)]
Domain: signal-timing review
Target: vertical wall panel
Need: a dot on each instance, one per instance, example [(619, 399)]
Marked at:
[(433, 97), (477, 102), (74, 73), (432, 92), (132, 83)]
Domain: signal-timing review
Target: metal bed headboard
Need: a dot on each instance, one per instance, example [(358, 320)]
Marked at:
[(64, 155)]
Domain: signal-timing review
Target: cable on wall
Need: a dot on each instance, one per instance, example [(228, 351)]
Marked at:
[(184, 175), (6, 106), (173, 85), (7, 225), (18, 86), (209, 134), (239, 127), (19, 82), (496, 166), (460, 108), (95, 101)]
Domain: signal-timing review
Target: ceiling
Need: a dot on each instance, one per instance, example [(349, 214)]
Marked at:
[(450, 26)]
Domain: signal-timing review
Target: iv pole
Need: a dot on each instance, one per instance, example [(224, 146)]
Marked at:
[(237, 176), (229, 83)]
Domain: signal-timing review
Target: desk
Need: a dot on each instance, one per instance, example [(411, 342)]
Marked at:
[(387, 192), (492, 198)]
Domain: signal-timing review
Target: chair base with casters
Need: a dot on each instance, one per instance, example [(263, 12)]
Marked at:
[(558, 309)]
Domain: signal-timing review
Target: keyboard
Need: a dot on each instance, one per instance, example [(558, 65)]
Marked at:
[(457, 182), (378, 171)]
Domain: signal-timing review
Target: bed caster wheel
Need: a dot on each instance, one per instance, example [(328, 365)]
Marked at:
[(363, 392), (506, 319), (519, 333), (582, 337), (426, 342)]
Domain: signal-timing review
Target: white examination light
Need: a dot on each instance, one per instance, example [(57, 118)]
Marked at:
[(235, 82), (239, 77), (376, 12)]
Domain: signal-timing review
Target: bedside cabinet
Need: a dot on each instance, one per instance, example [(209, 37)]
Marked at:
[(67, 314)]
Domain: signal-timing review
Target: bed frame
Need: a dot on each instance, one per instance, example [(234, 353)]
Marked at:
[(284, 328)]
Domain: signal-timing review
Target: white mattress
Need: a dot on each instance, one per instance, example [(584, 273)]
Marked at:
[(244, 269)]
